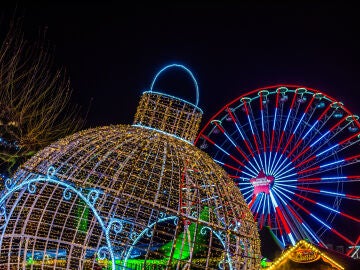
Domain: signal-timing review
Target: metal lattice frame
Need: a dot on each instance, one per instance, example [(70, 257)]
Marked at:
[(89, 198), (147, 176)]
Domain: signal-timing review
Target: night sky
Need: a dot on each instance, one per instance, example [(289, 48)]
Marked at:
[(112, 52)]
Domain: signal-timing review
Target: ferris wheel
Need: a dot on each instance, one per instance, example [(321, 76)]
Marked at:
[(294, 152)]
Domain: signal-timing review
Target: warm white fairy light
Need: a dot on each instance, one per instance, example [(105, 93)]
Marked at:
[(177, 207)]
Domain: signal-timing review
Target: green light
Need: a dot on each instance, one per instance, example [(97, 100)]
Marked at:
[(184, 240), (263, 263), (30, 261), (82, 216)]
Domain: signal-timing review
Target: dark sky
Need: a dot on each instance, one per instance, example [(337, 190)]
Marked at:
[(112, 51)]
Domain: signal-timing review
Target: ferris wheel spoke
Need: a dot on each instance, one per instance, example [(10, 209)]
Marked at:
[(323, 180), (216, 123), (334, 149), (321, 139), (322, 222), (301, 149), (218, 126), (335, 129), (300, 219), (263, 100), (321, 191), (317, 169), (262, 122), (286, 179), (347, 160), (320, 204), (264, 143), (254, 197), (302, 139), (282, 218), (273, 128), (291, 215), (258, 205), (297, 126), (279, 144), (248, 198), (245, 140), (279, 170), (248, 112), (274, 122), (281, 174), (251, 126), (223, 151)]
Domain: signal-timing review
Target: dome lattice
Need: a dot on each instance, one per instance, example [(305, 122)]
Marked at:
[(177, 209)]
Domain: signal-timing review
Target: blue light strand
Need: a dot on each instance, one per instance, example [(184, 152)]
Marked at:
[(50, 178), (181, 67), (161, 131), (244, 188), (326, 150), (287, 119), (280, 177), (276, 165), (273, 163), (244, 183), (311, 128), (141, 234), (260, 202), (323, 223), (264, 204), (263, 130), (311, 233), (252, 131), (243, 138), (274, 204), (273, 129), (281, 168), (320, 138), (268, 205), (298, 124), (286, 196), (269, 163), (332, 163), (247, 198)]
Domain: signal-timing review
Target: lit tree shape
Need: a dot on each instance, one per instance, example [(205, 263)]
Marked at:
[(34, 99)]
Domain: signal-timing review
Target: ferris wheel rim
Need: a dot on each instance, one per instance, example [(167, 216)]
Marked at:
[(228, 104), (214, 125)]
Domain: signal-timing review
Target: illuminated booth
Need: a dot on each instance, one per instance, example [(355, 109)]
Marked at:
[(305, 255)]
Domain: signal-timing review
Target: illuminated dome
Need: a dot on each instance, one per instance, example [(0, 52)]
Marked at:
[(167, 204)]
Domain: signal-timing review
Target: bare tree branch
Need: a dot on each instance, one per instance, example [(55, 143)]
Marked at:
[(35, 97)]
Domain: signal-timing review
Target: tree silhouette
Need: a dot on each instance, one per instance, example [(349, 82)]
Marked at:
[(34, 99)]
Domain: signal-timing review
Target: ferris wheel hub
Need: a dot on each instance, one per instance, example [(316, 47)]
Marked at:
[(262, 183)]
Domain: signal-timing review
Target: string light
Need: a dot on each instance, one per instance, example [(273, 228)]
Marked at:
[(174, 205), (302, 243)]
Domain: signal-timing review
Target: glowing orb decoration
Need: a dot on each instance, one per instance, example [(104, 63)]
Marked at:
[(138, 196)]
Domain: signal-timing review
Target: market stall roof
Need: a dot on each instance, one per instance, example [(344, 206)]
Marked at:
[(305, 253)]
